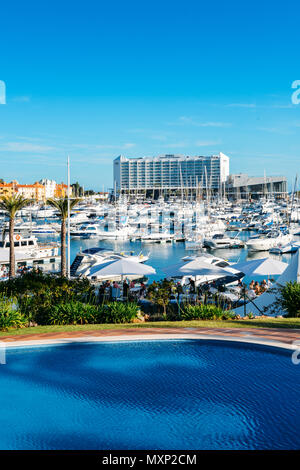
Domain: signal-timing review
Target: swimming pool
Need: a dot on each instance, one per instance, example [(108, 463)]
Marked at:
[(149, 395)]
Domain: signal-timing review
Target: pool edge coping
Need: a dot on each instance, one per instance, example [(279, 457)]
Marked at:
[(248, 339)]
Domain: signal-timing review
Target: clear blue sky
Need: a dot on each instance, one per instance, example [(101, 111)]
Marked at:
[(96, 79)]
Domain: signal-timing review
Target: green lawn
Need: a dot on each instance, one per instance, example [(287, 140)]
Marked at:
[(255, 323)]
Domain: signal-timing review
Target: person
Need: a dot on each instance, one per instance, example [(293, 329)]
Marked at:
[(251, 285), (192, 285), (115, 290), (131, 285), (251, 293), (179, 288), (101, 293), (257, 288), (263, 285), (142, 289), (125, 289)]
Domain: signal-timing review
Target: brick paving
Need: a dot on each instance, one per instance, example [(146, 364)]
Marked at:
[(285, 335)]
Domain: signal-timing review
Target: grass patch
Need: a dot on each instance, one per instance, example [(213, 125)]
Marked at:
[(255, 323)]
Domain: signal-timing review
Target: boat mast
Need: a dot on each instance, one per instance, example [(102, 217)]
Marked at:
[(293, 200), (69, 228)]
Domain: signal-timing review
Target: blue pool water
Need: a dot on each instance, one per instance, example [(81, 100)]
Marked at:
[(149, 395)]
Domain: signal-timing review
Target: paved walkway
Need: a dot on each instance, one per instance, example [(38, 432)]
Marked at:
[(278, 337)]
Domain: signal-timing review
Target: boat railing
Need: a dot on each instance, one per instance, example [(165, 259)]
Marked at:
[(44, 246)]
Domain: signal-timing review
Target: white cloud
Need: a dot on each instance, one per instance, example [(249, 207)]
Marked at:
[(24, 147), (192, 122), (264, 106), (207, 143), (174, 145), (275, 130), (21, 99), (127, 145), (241, 105)]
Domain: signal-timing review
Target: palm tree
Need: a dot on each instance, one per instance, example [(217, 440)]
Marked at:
[(61, 205), (12, 204)]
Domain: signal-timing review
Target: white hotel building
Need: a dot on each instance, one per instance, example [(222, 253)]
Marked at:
[(170, 172)]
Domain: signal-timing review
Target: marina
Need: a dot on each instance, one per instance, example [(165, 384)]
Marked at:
[(163, 232)]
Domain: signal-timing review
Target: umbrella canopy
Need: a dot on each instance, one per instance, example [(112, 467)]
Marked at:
[(197, 267), (268, 298), (121, 267), (263, 267)]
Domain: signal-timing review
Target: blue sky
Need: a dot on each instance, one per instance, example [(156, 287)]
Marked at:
[(97, 79)]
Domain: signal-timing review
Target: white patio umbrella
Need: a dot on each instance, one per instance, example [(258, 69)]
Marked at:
[(121, 267), (263, 267), (198, 267), (268, 298)]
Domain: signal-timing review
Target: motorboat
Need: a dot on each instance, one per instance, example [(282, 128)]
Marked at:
[(86, 231), (45, 229), (28, 251), (219, 240), (90, 257), (157, 237), (282, 249), (265, 243)]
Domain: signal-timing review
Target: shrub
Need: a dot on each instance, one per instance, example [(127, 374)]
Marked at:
[(79, 313), (10, 316), (38, 293), (205, 312), (117, 312), (289, 299), (73, 313), (34, 282)]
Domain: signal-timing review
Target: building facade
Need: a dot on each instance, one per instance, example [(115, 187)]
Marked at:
[(61, 190), (39, 192), (34, 191), (50, 187), (170, 172), (7, 189), (242, 186)]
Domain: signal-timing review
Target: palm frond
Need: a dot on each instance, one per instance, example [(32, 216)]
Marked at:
[(61, 205), (12, 204)]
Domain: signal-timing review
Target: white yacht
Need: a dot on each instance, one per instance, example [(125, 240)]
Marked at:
[(87, 231), (86, 259), (78, 218), (219, 240), (44, 212), (44, 229), (28, 251), (270, 241), (157, 237), (122, 233)]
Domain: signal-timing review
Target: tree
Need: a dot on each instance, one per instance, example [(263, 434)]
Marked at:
[(89, 192), (12, 204), (61, 205), (159, 292), (77, 189)]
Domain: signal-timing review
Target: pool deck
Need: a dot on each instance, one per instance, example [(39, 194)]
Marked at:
[(277, 337)]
